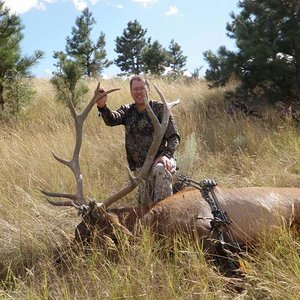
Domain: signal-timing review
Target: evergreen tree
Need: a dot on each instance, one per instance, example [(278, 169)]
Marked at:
[(9, 23), (267, 62), (176, 59), (92, 56), (129, 46), (222, 66), (14, 68), (154, 58), (67, 80), (196, 73)]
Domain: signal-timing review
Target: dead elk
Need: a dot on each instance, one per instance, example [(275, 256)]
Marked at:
[(254, 212)]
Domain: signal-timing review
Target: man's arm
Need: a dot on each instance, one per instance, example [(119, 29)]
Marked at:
[(167, 150), (113, 118), (166, 157), (172, 145), (172, 137)]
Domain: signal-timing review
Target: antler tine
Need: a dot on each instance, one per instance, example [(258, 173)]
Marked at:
[(59, 195), (78, 198), (61, 203), (159, 131), (168, 105), (59, 159), (95, 98)]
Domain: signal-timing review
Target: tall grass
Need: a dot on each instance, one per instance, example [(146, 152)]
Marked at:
[(235, 151)]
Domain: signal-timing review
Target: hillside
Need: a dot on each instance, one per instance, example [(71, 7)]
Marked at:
[(235, 151)]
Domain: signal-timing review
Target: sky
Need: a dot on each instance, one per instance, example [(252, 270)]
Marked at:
[(196, 25)]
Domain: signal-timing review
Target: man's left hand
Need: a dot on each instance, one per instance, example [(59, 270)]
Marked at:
[(169, 163)]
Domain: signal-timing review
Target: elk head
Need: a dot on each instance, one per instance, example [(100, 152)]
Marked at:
[(96, 216)]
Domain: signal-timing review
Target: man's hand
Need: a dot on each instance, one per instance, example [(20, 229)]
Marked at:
[(168, 163), (102, 100)]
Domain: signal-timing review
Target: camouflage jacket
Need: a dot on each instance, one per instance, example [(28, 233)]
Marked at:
[(139, 131)]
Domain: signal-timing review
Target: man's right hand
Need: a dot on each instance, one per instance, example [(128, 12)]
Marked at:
[(102, 100)]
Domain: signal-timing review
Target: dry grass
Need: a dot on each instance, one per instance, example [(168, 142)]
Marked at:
[(235, 152)]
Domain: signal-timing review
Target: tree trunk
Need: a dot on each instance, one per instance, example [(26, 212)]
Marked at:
[(297, 49), (1, 96), (297, 66)]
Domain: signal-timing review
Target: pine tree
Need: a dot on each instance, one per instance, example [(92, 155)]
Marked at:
[(129, 47), (222, 66), (267, 34), (67, 80), (14, 68), (154, 58), (92, 56), (176, 59)]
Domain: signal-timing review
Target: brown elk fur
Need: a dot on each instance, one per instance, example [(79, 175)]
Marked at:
[(254, 211)]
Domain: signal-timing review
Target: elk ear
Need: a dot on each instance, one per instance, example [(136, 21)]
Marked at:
[(114, 219)]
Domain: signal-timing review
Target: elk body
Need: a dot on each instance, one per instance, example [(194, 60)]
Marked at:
[(254, 212)]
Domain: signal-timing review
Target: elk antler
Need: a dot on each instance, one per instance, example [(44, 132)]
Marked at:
[(159, 131), (77, 199)]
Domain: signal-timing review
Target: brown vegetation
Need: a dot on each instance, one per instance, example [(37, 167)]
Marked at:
[(236, 152)]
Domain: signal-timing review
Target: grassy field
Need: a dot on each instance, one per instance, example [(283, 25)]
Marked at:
[(234, 151)]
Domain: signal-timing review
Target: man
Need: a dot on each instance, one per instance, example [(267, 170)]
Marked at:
[(138, 138)]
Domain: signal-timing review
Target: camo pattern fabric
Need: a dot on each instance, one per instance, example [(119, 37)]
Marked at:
[(139, 131), (158, 186), (138, 138)]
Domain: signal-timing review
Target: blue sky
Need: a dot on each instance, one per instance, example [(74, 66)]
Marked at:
[(196, 25)]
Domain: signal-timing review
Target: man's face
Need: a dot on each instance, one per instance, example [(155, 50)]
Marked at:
[(139, 91)]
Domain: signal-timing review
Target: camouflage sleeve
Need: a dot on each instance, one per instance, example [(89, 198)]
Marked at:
[(172, 138), (173, 143), (113, 118), (171, 129)]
